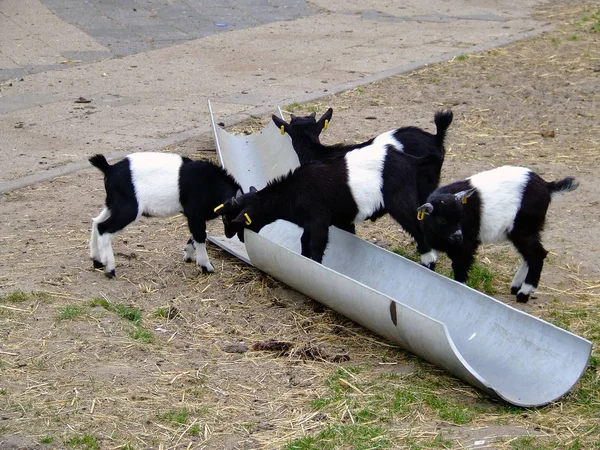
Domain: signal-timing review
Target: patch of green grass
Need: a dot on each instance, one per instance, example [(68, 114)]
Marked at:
[(85, 442), (403, 401), (555, 40), (379, 402), (3, 391), (482, 279), (411, 255), (462, 57), (166, 312), (129, 312), (98, 301), (356, 437), (70, 312), (19, 296), (573, 37), (293, 106), (179, 416), (15, 297), (531, 443), (194, 430), (449, 409), (141, 334), (47, 440)]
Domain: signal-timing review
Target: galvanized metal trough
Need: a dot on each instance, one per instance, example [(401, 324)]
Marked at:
[(493, 346)]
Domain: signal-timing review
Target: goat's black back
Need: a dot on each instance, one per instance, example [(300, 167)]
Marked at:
[(326, 181), (203, 186)]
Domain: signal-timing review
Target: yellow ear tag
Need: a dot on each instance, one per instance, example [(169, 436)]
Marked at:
[(282, 129), (421, 214), (248, 220), (326, 124), (464, 200), (219, 207)]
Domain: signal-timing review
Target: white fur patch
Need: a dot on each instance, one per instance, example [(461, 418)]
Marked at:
[(501, 191), (365, 179), (388, 138), (520, 275), (429, 258), (106, 252), (202, 257), (189, 252), (526, 289), (94, 250), (155, 179)]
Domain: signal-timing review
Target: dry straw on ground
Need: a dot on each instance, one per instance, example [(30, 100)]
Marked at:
[(237, 359)]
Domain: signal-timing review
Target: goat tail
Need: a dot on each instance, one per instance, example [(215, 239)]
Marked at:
[(442, 120), (100, 162), (560, 187)]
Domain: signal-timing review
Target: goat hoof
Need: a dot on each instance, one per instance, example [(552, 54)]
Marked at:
[(430, 266), (514, 290), (97, 264), (207, 269), (522, 298), (110, 274), (187, 259)]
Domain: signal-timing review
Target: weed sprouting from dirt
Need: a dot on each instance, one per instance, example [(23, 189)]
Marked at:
[(130, 313), (70, 312), (141, 334), (85, 442), (481, 278), (15, 297), (179, 416)]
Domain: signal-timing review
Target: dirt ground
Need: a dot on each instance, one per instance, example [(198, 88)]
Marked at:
[(197, 348)]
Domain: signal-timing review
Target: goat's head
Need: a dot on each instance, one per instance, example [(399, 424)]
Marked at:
[(442, 216), (239, 213), (307, 127)]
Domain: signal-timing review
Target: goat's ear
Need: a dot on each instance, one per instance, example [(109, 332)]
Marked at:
[(423, 210), (239, 193), (243, 217), (253, 189), (462, 196), (281, 124), (325, 119), (313, 115)]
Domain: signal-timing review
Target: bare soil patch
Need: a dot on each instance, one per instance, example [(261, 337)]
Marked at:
[(236, 359)]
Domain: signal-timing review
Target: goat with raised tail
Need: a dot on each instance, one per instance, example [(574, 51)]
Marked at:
[(305, 131), (504, 204), (341, 191), (161, 185)]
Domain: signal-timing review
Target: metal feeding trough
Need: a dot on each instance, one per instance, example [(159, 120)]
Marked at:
[(495, 347)]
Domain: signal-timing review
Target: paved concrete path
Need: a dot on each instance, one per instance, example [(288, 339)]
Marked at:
[(78, 78)]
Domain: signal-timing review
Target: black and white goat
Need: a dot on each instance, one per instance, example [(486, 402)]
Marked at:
[(362, 184), (162, 185), (507, 203), (305, 131)]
